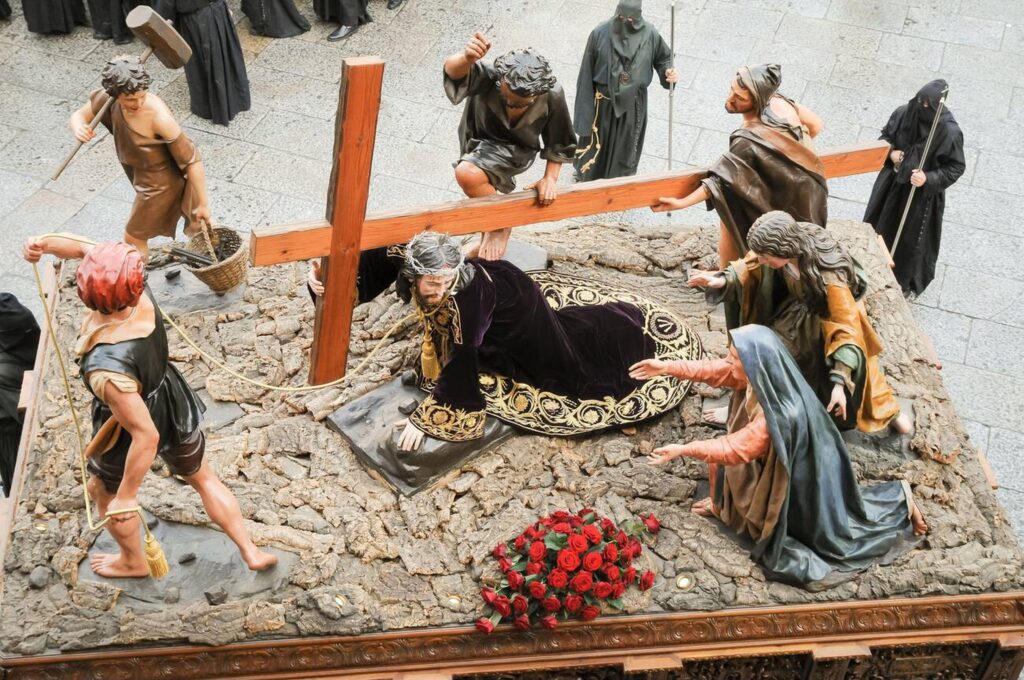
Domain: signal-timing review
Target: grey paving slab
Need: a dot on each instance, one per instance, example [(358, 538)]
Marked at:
[(41, 212), (815, 33), (1017, 104), (743, 20), (27, 109), (37, 152), (223, 157), (1012, 502), (842, 209), (101, 219), (978, 434), (709, 146), (414, 161), (950, 28), (978, 295), (967, 247), (288, 209), (392, 193), (303, 59), (241, 125), (239, 207), (276, 171), (839, 105), (408, 119), (868, 75), (808, 63), (65, 77), (852, 188), (986, 64), (295, 133), (997, 211), (883, 15), (999, 172), (930, 296), (1004, 453), (683, 139), (990, 398), (75, 45), (282, 91), (1006, 10), (903, 49), (16, 188), (1013, 39), (996, 347), (949, 332)]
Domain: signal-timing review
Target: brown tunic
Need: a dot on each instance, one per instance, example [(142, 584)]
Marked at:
[(156, 168)]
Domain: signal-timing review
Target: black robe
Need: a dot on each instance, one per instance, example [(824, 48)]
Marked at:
[(5, 10), (621, 124), (502, 151), (19, 338), (828, 522), (108, 19), (765, 169), (344, 12), (919, 243), (545, 352), (176, 410), (54, 16), (218, 85), (275, 18)]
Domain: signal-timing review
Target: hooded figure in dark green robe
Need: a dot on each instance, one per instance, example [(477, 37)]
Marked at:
[(619, 63)]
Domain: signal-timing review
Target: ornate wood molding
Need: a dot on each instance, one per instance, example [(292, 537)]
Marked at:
[(907, 623)]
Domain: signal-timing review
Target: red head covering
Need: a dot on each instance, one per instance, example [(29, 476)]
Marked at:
[(110, 277)]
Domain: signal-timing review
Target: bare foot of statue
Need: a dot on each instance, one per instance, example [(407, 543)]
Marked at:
[(716, 416), (702, 507), (901, 424), (917, 520), (257, 560), (115, 566), (493, 244)]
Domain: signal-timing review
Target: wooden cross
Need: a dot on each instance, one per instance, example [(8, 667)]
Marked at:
[(348, 230)]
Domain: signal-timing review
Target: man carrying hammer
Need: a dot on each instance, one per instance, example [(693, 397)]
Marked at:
[(161, 162)]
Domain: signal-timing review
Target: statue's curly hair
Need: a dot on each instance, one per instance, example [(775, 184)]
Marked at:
[(527, 73), (432, 252), (124, 75), (815, 250)]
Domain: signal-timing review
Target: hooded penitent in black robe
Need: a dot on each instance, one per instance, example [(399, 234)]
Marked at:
[(54, 16), (275, 18), (907, 131), (176, 410), (19, 338), (611, 93), (5, 10), (768, 167), (344, 12), (799, 500), (218, 85), (502, 151), (546, 352), (108, 19)]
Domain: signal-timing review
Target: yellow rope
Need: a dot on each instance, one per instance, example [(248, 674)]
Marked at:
[(595, 139)]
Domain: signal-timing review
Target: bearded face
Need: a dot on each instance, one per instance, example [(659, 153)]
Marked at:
[(740, 100)]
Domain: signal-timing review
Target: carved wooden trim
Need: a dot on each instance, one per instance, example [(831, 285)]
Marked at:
[(742, 632)]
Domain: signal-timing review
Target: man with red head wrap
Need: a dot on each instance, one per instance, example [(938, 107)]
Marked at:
[(142, 406)]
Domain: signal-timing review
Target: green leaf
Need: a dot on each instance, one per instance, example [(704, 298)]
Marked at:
[(616, 602), (556, 541)]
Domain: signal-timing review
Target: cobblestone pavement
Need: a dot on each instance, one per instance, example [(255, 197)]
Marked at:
[(853, 61)]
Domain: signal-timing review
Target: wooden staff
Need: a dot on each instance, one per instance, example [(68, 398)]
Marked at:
[(924, 155)]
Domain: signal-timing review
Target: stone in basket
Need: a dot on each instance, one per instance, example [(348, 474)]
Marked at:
[(225, 273)]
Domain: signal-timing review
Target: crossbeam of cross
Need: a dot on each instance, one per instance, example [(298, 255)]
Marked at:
[(348, 229)]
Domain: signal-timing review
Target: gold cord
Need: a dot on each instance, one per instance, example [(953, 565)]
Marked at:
[(595, 139)]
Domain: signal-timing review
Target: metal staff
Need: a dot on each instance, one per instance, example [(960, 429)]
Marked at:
[(924, 155), (672, 86)]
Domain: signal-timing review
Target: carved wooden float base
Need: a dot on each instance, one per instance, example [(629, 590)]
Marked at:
[(963, 637)]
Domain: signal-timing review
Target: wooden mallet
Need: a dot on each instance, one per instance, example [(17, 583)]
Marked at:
[(160, 39)]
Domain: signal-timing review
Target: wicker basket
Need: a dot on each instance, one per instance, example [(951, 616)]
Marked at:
[(226, 274)]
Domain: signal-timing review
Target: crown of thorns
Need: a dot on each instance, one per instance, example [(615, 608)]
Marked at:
[(451, 253)]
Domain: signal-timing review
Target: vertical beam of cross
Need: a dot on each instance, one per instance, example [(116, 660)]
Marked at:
[(355, 130)]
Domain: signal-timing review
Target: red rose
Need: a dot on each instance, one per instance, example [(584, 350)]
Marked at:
[(500, 551), (611, 553), (515, 580), (608, 526), (592, 561), (562, 528), (504, 564), (602, 589), (621, 538), (584, 512), (559, 515), (537, 590), (652, 523), (630, 575), (541, 533), (612, 572), (573, 603), (551, 604), (619, 589), (485, 626), (522, 622), (489, 596), (534, 568), (592, 533), (538, 550), (582, 582), (520, 542), (530, 533), (503, 606), (558, 579), (520, 604), (568, 560), (546, 522), (575, 521), (647, 580), (578, 543), (589, 613), (549, 622), (636, 546)]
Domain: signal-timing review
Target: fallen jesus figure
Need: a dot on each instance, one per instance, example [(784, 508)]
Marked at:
[(544, 352), (782, 476)]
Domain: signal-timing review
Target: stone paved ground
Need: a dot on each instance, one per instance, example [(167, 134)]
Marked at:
[(851, 60)]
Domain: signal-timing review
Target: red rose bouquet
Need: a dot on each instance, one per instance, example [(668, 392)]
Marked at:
[(566, 565)]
